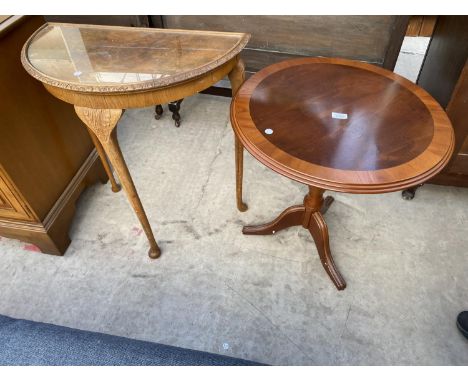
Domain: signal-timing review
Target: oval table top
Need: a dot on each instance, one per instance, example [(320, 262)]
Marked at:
[(342, 125), (112, 59)]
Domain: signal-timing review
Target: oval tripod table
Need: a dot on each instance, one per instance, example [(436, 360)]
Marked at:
[(102, 70), (340, 125)]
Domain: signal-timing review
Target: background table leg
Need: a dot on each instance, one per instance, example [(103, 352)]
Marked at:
[(102, 154), (158, 111), (174, 108), (237, 78), (103, 122)]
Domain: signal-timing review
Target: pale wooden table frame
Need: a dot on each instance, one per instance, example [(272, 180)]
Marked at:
[(100, 108)]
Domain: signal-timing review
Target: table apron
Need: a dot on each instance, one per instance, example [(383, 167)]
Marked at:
[(150, 97)]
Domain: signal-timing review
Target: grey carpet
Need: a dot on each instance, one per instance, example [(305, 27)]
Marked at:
[(267, 298)]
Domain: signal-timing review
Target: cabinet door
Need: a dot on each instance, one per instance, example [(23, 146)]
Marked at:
[(456, 111), (11, 205), (444, 74)]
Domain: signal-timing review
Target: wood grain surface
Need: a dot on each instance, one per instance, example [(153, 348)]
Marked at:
[(187, 62), (375, 39), (395, 135), (113, 59)]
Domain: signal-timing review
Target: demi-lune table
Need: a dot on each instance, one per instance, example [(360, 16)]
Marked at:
[(341, 125), (102, 70)]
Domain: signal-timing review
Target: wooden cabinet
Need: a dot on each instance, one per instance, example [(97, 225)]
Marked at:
[(421, 26), (444, 74), (10, 200), (120, 20), (374, 39), (46, 155)]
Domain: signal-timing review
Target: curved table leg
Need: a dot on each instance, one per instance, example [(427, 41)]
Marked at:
[(310, 216), (290, 217), (237, 78), (319, 231), (314, 222), (102, 122), (102, 154)]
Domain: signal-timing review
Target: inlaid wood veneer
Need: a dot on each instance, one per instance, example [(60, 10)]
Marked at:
[(341, 125)]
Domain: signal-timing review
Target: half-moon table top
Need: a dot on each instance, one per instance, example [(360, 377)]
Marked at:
[(342, 125), (112, 59)]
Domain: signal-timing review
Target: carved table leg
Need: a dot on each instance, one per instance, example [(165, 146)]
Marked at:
[(102, 122), (158, 111), (310, 216), (102, 154), (174, 107), (237, 78)]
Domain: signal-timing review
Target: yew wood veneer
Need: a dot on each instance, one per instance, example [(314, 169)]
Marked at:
[(340, 125), (102, 70)]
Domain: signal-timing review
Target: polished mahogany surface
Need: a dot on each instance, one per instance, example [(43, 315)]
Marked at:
[(384, 123), (88, 58), (342, 125)]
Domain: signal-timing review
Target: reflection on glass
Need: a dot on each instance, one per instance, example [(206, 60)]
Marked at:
[(91, 54)]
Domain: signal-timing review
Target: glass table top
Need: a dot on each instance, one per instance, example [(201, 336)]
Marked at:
[(90, 57)]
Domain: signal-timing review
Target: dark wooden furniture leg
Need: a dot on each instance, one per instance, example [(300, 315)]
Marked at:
[(158, 111), (310, 216), (290, 217), (327, 202), (410, 193), (314, 222), (174, 107)]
